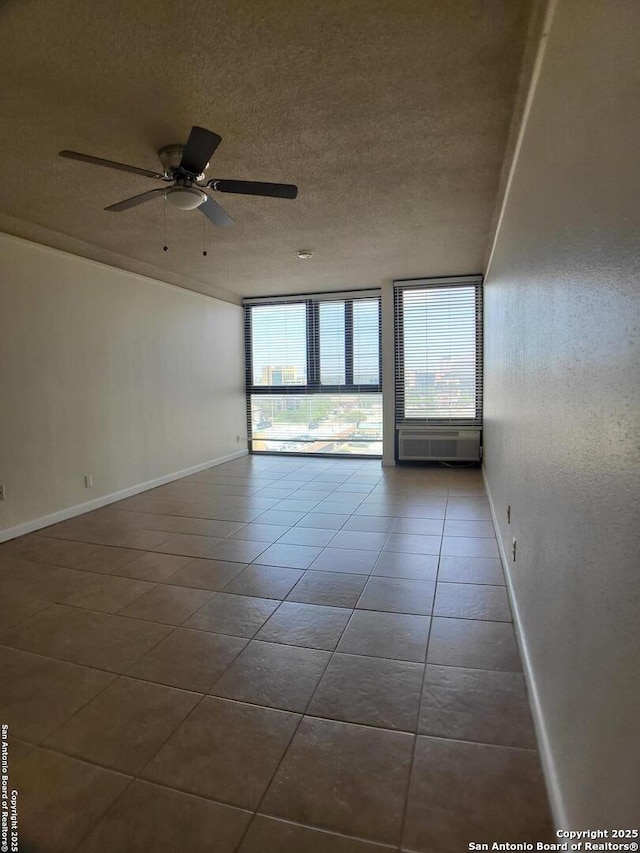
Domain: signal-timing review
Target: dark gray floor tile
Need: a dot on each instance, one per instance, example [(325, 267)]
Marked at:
[(171, 605), (309, 625), (372, 691), (151, 818), (345, 560), (324, 520), (473, 644), (463, 546), (60, 799), (472, 601), (226, 751), (81, 636), (476, 705), (273, 675), (390, 635), (189, 659), (314, 536), (423, 567), (38, 694), (471, 570), (261, 532), (347, 778), (359, 540), (397, 595), (329, 588), (451, 778), (291, 556), (125, 725), (269, 835), (264, 581), (238, 615), (206, 574)]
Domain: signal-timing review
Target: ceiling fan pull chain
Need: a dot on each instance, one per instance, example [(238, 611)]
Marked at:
[(204, 239), (165, 248)]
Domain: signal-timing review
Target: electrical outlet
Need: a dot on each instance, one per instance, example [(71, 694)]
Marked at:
[(88, 481), (509, 514), (1, 491), (513, 550)]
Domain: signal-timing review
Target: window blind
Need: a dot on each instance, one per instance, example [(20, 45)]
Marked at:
[(313, 373), (438, 352)]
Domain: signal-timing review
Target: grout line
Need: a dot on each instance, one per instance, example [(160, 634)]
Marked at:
[(105, 812), (29, 615), (424, 678), (331, 832)]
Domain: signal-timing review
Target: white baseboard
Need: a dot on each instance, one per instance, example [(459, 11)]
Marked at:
[(556, 802), (96, 503)]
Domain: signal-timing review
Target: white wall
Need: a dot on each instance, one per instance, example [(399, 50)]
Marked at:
[(562, 446), (107, 373)]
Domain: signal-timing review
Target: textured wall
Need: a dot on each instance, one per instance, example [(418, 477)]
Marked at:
[(110, 374), (563, 403)]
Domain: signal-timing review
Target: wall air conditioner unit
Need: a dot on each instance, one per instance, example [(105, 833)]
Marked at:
[(438, 444)]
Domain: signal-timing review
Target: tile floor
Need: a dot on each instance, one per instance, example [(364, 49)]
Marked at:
[(276, 654)]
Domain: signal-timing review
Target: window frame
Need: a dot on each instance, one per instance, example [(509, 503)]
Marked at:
[(402, 286), (313, 384)]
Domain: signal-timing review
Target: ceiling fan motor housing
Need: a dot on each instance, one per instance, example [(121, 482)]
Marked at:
[(171, 158)]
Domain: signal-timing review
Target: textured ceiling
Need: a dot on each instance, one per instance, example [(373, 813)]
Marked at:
[(391, 116)]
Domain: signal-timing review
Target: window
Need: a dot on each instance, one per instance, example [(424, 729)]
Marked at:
[(439, 352), (313, 374), (279, 342), (333, 355)]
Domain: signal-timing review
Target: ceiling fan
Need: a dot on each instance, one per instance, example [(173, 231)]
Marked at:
[(183, 168)]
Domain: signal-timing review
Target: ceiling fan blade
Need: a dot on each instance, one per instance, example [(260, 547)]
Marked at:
[(215, 213), (255, 188), (199, 149), (135, 200), (110, 164)]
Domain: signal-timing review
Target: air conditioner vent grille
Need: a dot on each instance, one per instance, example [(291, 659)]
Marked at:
[(438, 445)]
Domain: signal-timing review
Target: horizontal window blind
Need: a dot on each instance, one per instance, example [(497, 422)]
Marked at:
[(333, 357), (366, 341), (313, 373), (438, 352), (279, 344)]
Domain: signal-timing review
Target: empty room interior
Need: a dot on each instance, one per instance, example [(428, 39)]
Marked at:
[(319, 481)]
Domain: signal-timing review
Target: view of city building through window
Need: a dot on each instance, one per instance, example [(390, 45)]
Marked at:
[(313, 376), (317, 423)]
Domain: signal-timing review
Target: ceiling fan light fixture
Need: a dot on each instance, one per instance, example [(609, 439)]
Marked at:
[(185, 198)]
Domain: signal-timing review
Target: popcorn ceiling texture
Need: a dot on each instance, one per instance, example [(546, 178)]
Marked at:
[(392, 118)]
